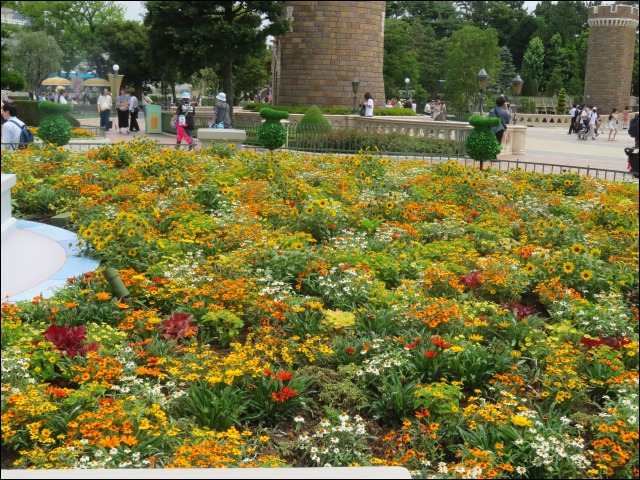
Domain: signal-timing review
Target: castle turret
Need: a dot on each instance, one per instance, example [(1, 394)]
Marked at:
[(330, 44), (612, 37)]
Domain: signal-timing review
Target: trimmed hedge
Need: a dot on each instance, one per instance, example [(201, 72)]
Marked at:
[(29, 113), (395, 112)]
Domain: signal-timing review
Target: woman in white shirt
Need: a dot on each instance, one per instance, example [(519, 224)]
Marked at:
[(61, 95), (104, 109), (368, 103)]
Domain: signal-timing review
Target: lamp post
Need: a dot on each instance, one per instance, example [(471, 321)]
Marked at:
[(354, 86), (482, 85), (116, 79), (407, 93), (516, 85)]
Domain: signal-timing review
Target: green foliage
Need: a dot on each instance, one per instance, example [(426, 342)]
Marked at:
[(482, 144), (55, 129), (30, 114), (272, 115), (272, 135), (313, 116), (35, 54), (533, 65), (53, 108), (216, 407), (469, 50), (400, 62)]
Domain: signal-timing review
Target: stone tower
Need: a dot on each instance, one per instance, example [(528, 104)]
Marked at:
[(612, 36), (329, 44)]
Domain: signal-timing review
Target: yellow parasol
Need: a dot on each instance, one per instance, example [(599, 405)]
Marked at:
[(96, 82), (56, 81)]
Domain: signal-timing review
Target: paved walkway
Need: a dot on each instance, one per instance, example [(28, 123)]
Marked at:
[(543, 145)]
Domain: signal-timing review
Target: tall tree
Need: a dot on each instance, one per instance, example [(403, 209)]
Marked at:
[(533, 66), (36, 55), (522, 33), (441, 16), (400, 56), (505, 80), (567, 18), (469, 50), (220, 34)]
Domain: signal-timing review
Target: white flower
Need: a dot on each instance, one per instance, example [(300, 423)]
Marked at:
[(521, 470), (298, 419)]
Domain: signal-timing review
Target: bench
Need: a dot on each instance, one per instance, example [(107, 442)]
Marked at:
[(207, 136)]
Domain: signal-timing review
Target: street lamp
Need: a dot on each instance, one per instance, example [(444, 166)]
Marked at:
[(516, 86), (354, 86), (407, 93), (483, 76)]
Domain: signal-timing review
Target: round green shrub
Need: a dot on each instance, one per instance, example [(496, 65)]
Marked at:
[(272, 135), (54, 128), (314, 116), (482, 144)]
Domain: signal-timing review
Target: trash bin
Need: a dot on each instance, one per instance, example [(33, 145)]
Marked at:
[(153, 119)]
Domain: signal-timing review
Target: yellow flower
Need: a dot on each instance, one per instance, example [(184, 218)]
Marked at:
[(520, 421), (568, 267), (586, 275), (577, 248), (529, 268)]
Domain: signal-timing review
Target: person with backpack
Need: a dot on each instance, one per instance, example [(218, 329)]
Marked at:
[(185, 116), (500, 112), (15, 133)]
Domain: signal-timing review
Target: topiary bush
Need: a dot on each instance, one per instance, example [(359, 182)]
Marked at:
[(272, 134), (30, 114), (314, 116), (54, 128), (482, 144), (561, 107)]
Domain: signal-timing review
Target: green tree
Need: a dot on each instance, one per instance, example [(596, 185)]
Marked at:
[(127, 44), (505, 80), (442, 17), (533, 64), (36, 55), (74, 26), (468, 51), (252, 75), (214, 34), (430, 51), (520, 37), (561, 106), (400, 56), (11, 79), (205, 82), (566, 18)]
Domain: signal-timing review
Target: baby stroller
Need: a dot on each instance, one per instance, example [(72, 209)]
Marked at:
[(633, 161), (584, 129)]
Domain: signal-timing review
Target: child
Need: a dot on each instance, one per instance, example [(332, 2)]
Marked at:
[(181, 132), (584, 125)]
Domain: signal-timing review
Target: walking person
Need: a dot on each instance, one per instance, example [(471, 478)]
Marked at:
[(613, 124), (436, 109), (122, 104), (105, 102), (133, 112), (184, 116), (572, 122), (593, 122), (221, 117), (625, 117)]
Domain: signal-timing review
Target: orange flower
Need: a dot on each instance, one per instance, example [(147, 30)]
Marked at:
[(284, 376), (283, 395), (110, 442)]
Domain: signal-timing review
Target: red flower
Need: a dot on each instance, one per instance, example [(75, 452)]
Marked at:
[(268, 373), (350, 351), (472, 280), (430, 353), (438, 342), (179, 326), (410, 346), (284, 376), (283, 395), (423, 413)]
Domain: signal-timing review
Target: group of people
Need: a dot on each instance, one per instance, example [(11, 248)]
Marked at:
[(128, 107), (184, 118), (587, 122), (436, 109)]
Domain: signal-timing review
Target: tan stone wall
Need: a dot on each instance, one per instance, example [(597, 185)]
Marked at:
[(329, 44), (612, 34)]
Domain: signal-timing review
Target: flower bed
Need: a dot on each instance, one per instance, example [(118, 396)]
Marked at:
[(301, 310)]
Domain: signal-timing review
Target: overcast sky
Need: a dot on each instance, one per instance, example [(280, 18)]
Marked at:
[(136, 11)]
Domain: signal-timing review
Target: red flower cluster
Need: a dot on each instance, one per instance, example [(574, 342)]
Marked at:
[(430, 353), (438, 342), (521, 311), (179, 326), (472, 280), (69, 340), (350, 351), (283, 395), (612, 342)]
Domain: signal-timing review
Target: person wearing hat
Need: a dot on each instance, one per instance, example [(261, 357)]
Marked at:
[(61, 95), (221, 118), (185, 114)]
